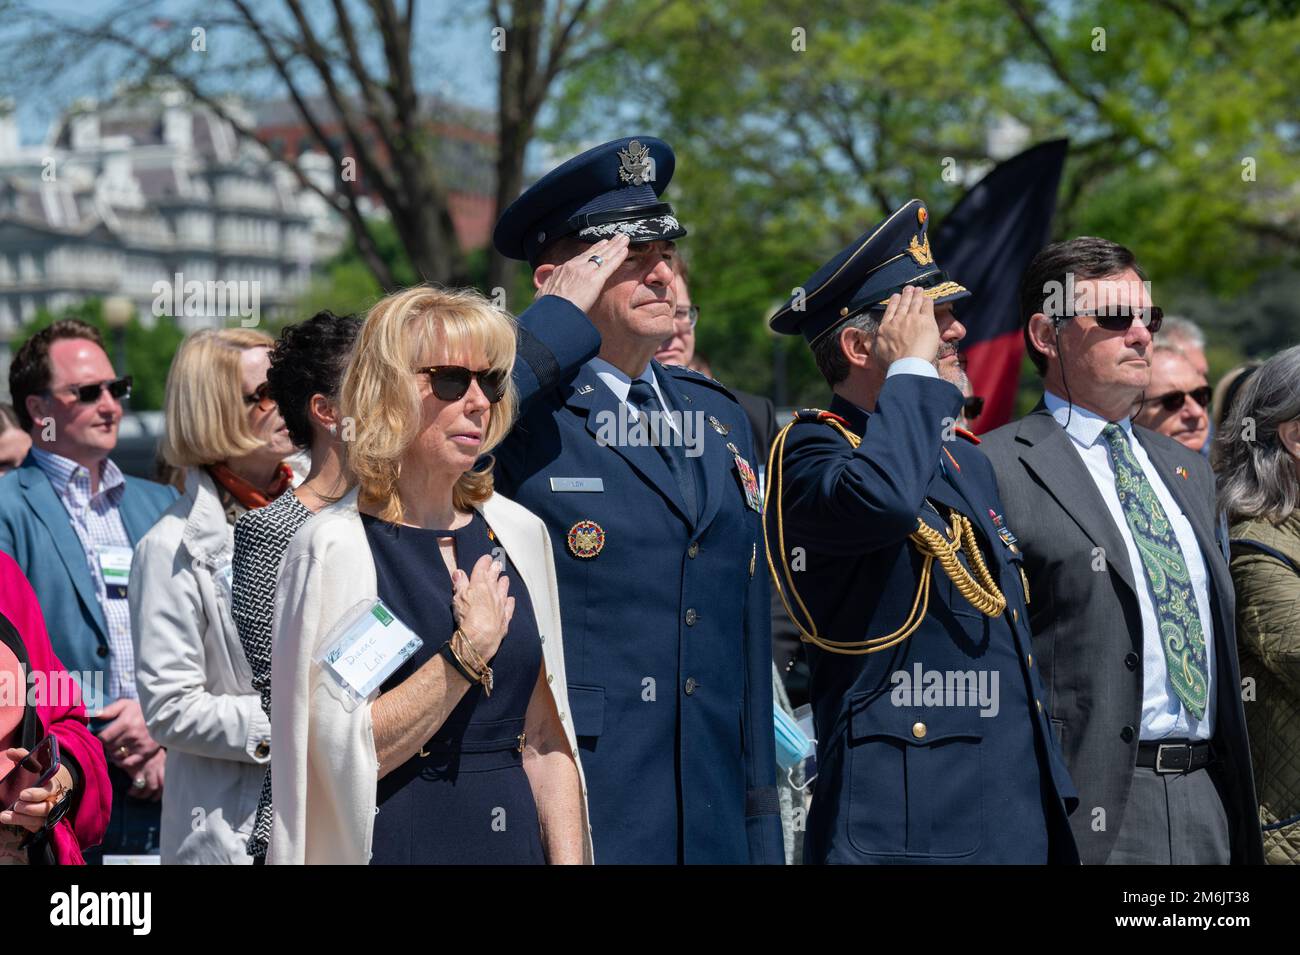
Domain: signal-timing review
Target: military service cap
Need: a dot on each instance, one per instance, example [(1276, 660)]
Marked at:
[(863, 276), (609, 190)]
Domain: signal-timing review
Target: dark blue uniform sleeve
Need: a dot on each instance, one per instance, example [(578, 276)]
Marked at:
[(762, 806), (856, 501), (555, 339)]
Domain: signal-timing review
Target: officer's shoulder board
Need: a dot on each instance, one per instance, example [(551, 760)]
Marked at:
[(817, 416), (682, 373)]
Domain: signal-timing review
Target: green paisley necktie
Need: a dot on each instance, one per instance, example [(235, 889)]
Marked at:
[(1166, 573)]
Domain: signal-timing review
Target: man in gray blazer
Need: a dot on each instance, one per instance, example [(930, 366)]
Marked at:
[(1131, 602)]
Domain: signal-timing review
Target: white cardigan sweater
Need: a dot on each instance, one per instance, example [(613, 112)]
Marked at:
[(323, 759)]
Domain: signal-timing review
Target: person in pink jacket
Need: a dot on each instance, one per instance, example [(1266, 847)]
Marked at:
[(38, 698)]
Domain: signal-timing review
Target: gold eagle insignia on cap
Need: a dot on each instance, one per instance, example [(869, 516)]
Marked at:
[(635, 165), (920, 250)]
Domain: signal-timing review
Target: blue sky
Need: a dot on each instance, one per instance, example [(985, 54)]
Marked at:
[(453, 57)]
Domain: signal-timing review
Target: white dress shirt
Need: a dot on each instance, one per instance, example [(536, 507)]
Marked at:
[(97, 520), (1163, 713)]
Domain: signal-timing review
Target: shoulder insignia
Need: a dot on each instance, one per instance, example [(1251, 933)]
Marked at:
[(817, 416), (683, 373), (968, 435)]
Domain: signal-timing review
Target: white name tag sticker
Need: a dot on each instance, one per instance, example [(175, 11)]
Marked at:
[(370, 648), (577, 484), (115, 568)]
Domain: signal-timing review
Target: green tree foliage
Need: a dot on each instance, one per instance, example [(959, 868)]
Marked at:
[(797, 126)]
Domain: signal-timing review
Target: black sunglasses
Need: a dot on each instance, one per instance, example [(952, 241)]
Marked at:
[(1174, 400), (261, 397), (450, 382), (87, 394), (1120, 318), (972, 407)]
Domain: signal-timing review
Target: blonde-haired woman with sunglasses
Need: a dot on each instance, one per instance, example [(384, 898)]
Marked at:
[(464, 752), (227, 442)]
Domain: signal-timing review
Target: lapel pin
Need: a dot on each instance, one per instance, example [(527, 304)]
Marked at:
[(718, 426), (585, 390), (1181, 472)]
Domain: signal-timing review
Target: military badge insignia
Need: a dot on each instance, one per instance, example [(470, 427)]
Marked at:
[(749, 484), (635, 165), (1004, 532), (921, 215), (718, 426), (586, 539), (920, 251)]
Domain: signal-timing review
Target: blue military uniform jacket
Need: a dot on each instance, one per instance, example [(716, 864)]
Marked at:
[(911, 770), (667, 628)]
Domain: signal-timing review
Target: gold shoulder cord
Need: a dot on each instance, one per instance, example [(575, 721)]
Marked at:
[(983, 593)]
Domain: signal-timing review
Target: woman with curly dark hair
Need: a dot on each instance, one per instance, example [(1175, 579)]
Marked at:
[(307, 366)]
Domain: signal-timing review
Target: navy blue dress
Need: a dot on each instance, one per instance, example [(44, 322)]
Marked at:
[(464, 799)]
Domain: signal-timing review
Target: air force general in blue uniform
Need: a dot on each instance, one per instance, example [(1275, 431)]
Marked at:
[(905, 579), (658, 548)]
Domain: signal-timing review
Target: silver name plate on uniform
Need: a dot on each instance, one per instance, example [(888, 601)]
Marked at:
[(577, 484)]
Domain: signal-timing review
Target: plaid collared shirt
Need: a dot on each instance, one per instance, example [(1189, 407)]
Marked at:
[(98, 523)]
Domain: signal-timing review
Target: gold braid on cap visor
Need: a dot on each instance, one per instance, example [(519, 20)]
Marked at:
[(981, 590)]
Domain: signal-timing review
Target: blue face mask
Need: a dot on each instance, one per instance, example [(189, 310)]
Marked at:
[(792, 744)]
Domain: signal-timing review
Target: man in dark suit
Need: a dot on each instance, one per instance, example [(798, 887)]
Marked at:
[(1132, 604), (70, 518), (884, 525), (644, 474)]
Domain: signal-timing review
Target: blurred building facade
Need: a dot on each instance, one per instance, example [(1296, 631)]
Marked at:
[(126, 194)]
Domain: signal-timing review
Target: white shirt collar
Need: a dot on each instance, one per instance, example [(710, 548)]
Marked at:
[(619, 382), (1082, 425)]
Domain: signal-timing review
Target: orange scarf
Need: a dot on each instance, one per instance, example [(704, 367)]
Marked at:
[(247, 495)]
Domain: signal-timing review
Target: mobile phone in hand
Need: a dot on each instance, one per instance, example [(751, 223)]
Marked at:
[(34, 769)]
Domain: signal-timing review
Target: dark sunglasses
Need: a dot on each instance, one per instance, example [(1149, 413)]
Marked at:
[(261, 397), (1119, 319), (972, 407), (1175, 400), (450, 382), (87, 394)]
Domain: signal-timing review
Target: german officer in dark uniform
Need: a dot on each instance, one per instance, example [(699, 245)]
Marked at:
[(887, 540), (645, 476)]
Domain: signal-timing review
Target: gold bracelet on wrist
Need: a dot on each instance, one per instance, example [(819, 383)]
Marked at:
[(481, 670)]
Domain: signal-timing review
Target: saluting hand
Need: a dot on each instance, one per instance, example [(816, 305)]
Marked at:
[(482, 605), (581, 280), (908, 329)]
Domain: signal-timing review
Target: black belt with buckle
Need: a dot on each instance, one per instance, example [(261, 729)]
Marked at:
[(1181, 756)]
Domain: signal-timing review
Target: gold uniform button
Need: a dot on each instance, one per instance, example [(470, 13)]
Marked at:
[(1031, 659), (1039, 704), (1015, 615), (918, 730)]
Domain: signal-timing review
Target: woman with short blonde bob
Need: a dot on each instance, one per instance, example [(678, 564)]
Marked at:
[(227, 441), (464, 752)]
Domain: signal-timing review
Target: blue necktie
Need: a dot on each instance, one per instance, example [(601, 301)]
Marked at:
[(643, 398)]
